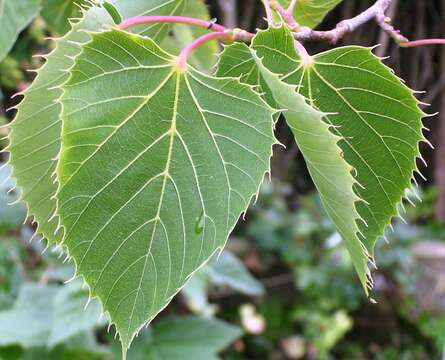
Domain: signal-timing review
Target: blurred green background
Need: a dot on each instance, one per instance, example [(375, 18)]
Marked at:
[(285, 288)]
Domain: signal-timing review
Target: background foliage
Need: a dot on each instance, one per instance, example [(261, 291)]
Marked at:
[(285, 289)]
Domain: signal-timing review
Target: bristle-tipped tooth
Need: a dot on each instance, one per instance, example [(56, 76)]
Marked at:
[(410, 201), (40, 56), (423, 160), (19, 93), (87, 303), (426, 141), (391, 227), (430, 115), (11, 108), (421, 175), (71, 279), (279, 143)]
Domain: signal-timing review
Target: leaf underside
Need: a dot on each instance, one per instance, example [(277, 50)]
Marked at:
[(156, 167), (14, 17), (374, 114), (319, 146)]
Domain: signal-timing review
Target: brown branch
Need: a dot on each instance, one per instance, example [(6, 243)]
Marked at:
[(375, 12)]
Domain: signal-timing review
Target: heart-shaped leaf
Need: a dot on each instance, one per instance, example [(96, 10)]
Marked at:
[(375, 116), (319, 146), (157, 164)]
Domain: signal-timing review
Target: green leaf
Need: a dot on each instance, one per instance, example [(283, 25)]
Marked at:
[(114, 13), (319, 146), (184, 338), (45, 316), (224, 270), (228, 270), (57, 13), (195, 293), (70, 316), (376, 117), (34, 139), (27, 323), (14, 17), (171, 147), (311, 12)]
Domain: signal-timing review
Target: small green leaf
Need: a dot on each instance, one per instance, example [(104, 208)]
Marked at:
[(71, 316), (330, 172), (184, 338), (146, 148), (228, 270), (15, 15), (57, 14), (28, 322), (45, 316), (114, 13), (311, 12), (375, 116)]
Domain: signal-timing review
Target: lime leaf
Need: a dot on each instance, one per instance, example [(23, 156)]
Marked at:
[(319, 146), (376, 117), (182, 338), (57, 13), (14, 17), (149, 150), (311, 12)]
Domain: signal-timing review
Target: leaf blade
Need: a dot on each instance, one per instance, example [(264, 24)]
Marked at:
[(171, 117), (384, 109), (319, 145)]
